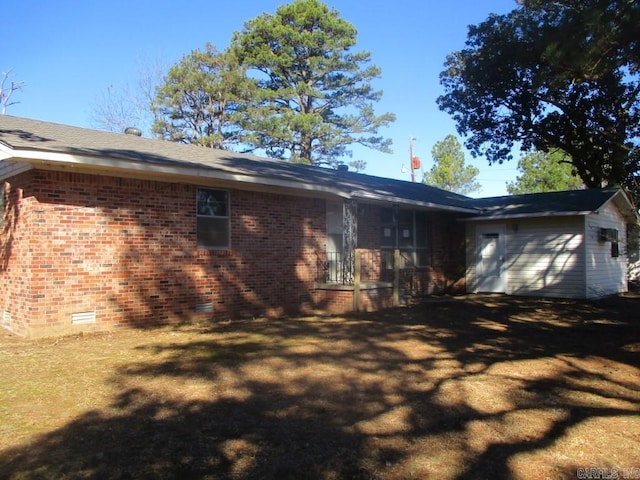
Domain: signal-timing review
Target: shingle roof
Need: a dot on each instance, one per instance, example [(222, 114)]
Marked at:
[(552, 203), (26, 135), (34, 135)]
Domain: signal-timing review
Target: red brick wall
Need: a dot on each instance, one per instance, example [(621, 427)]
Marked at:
[(15, 253), (126, 249), (340, 300)]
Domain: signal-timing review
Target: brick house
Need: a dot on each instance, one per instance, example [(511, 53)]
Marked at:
[(101, 230)]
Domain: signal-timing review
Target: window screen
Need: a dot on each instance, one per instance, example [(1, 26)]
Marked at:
[(408, 231), (212, 212)]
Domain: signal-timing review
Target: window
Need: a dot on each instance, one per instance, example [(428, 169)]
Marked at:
[(408, 231), (615, 250), (212, 212)]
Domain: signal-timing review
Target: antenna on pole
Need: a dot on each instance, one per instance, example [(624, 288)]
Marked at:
[(413, 161)]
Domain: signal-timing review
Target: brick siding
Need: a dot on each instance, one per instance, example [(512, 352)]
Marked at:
[(126, 250)]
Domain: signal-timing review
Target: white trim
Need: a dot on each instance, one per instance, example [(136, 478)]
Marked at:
[(585, 252), (10, 169), (628, 212), (199, 174), (5, 152), (526, 215)]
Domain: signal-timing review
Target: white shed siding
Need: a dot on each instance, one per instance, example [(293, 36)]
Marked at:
[(633, 252), (471, 256), (605, 275), (545, 257)]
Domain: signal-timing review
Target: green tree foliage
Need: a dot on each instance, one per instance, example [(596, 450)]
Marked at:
[(202, 100), (544, 172), (315, 97), (449, 171), (553, 75)]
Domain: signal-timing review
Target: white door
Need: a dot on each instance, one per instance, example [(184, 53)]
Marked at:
[(490, 271)]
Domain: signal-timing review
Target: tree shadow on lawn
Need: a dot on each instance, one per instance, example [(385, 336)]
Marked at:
[(484, 387)]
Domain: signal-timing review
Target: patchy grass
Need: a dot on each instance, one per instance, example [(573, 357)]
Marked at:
[(480, 387)]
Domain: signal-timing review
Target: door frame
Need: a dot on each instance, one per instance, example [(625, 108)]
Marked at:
[(486, 284)]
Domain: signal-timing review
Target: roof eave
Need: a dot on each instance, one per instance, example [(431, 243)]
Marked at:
[(484, 218), (387, 199), (135, 168), (624, 205), (200, 175)]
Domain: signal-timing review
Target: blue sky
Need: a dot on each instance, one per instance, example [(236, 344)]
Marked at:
[(68, 53)]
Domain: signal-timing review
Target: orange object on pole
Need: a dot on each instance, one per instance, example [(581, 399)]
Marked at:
[(415, 163), (411, 157)]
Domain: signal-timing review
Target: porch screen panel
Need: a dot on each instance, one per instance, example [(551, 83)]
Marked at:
[(407, 230)]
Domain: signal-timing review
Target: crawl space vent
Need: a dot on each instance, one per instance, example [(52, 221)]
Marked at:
[(6, 319), (83, 318), (204, 307)]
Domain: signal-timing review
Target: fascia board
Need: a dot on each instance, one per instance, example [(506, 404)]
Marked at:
[(525, 215), (623, 204), (141, 170), (386, 199), (6, 152)]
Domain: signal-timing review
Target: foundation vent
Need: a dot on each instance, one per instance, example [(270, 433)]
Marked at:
[(6, 319), (81, 318), (204, 307)]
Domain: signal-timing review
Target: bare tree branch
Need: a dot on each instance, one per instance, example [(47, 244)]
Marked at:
[(126, 105), (7, 89)]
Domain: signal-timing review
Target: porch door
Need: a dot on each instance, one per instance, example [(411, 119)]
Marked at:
[(335, 248), (490, 266)]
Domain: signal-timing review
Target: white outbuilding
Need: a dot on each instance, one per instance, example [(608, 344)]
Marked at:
[(570, 244)]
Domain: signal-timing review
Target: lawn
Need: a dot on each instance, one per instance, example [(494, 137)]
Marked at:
[(473, 387)]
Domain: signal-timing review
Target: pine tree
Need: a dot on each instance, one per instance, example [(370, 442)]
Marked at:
[(449, 171), (314, 96)]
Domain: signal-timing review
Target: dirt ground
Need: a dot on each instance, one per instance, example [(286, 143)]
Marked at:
[(470, 387)]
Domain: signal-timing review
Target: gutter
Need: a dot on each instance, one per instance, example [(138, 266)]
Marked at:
[(130, 167), (200, 175), (481, 218), (412, 203)]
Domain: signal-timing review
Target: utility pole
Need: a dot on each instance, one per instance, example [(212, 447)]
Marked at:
[(413, 161), (413, 177)]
